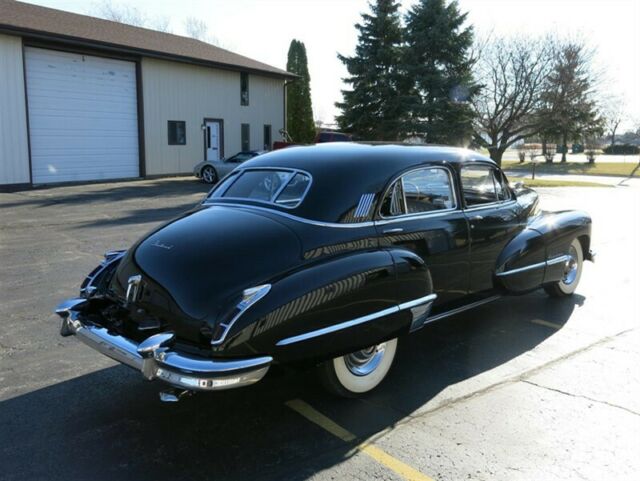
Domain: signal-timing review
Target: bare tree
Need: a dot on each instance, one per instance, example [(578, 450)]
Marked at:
[(613, 112), (513, 74), (123, 13), (198, 29)]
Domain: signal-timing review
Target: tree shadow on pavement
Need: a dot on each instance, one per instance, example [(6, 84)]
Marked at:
[(110, 425)]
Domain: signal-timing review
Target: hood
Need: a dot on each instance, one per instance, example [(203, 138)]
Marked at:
[(205, 259)]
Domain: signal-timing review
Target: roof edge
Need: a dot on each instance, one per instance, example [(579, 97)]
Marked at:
[(113, 47)]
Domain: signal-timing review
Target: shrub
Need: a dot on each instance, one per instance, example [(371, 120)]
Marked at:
[(622, 149), (548, 157), (521, 155)]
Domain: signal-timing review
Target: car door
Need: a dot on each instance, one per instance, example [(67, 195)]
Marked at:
[(420, 213), (493, 216)]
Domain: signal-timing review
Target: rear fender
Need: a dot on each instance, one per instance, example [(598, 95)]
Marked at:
[(534, 256), (288, 323)]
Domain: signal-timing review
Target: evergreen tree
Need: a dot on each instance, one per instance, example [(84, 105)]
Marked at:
[(300, 124), (374, 107), (438, 64), (570, 111)]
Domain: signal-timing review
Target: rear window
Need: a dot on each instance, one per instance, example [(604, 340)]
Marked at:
[(281, 187)]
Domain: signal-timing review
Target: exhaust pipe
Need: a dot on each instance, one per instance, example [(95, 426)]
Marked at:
[(174, 395)]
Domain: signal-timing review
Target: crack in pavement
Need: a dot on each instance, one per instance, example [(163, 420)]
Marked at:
[(581, 396)]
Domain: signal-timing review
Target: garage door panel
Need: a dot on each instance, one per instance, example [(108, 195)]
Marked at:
[(82, 116)]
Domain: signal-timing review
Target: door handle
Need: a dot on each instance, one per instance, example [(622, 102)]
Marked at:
[(397, 230), (477, 217)]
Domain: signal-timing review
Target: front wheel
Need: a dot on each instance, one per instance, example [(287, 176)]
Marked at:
[(359, 372), (209, 175), (572, 272)]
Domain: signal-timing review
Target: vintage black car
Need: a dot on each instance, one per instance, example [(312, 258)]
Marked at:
[(322, 255)]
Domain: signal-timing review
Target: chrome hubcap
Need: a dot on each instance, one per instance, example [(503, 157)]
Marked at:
[(571, 267), (364, 362)]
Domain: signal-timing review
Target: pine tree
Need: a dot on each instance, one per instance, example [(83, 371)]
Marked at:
[(570, 111), (300, 124), (374, 107), (437, 62)]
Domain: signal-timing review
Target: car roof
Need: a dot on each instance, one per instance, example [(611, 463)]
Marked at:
[(343, 171)]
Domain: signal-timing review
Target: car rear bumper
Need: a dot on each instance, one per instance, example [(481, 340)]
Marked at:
[(155, 358)]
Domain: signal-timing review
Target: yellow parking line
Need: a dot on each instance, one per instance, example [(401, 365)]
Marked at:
[(547, 324), (377, 454)]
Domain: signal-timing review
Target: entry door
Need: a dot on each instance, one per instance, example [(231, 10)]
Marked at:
[(420, 214), (493, 219), (213, 139)]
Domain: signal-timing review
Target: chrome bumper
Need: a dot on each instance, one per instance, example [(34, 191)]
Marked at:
[(156, 360)]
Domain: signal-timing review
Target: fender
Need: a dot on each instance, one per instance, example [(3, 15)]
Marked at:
[(533, 257), (313, 312)]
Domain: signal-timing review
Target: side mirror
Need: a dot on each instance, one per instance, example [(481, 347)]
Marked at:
[(518, 185)]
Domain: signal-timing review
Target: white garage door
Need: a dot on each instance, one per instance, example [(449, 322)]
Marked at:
[(83, 120)]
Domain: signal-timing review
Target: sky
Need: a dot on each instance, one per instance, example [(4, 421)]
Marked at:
[(263, 29)]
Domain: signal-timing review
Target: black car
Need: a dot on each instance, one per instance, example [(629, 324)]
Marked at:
[(323, 255)]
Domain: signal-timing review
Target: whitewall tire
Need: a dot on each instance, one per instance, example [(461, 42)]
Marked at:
[(359, 372), (572, 272)]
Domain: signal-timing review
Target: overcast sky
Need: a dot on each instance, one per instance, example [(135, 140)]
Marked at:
[(262, 29)]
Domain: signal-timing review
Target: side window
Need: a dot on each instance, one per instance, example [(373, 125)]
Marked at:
[(177, 132), (502, 188), (478, 185), (419, 191), (244, 88)]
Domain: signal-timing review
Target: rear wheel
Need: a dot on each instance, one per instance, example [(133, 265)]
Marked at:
[(209, 175), (572, 272), (359, 372)]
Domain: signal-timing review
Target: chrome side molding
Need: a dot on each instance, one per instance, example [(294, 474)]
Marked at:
[(538, 265), (419, 309)]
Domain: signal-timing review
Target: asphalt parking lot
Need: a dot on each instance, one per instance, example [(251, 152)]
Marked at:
[(526, 388)]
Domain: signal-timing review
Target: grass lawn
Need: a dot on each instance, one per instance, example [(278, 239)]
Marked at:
[(555, 183), (605, 168)]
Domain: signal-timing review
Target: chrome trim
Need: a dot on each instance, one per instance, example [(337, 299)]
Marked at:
[(337, 327), (156, 360), (295, 217), (355, 322), (88, 288), (133, 288), (364, 205), (458, 310), (242, 307), (538, 265), (417, 302), (419, 216), (500, 203), (558, 260), (400, 176)]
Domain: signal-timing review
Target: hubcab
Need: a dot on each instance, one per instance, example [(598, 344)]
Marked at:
[(364, 362), (571, 267)]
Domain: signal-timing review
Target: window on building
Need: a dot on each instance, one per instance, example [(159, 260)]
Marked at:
[(177, 131), (244, 141), (244, 88), (267, 137)]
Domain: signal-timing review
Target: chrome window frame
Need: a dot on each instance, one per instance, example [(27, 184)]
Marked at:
[(488, 205), (239, 172), (452, 185)]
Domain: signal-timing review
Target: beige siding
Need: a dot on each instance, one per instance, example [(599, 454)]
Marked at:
[(14, 153), (173, 91)]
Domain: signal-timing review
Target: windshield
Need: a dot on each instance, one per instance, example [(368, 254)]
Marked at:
[(282, 187)]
